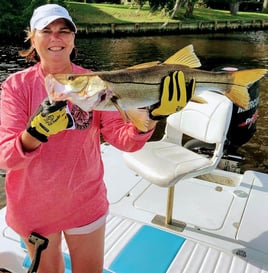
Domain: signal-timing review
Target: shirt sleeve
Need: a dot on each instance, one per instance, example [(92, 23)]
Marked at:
[(14, 116), (123, 135)]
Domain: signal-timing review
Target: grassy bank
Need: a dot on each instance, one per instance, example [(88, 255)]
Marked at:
[(84, 13)]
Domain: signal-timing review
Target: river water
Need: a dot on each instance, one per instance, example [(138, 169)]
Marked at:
[(237, 49)]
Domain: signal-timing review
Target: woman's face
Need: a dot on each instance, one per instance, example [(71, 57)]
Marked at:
[(55, 42)]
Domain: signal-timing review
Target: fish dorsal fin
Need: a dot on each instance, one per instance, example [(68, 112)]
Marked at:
[(144, 65), (185, 56)]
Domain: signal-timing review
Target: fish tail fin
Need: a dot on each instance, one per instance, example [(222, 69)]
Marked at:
[(248, 76), (241, 80), (186, 56), (139, 117), (239, 95)]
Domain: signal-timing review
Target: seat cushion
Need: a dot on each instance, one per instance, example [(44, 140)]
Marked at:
[(164, 163)]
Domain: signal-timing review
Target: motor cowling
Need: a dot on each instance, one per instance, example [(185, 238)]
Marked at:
[(243, 123)]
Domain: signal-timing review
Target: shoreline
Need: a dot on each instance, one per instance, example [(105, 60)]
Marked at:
[(138, 29), (141, 29)]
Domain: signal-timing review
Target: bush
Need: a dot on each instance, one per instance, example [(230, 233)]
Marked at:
[(251, 5)]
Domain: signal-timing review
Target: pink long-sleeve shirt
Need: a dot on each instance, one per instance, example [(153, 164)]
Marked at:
[(60, 184)]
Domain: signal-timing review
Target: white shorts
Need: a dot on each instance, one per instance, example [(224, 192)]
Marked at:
[(87, 228)]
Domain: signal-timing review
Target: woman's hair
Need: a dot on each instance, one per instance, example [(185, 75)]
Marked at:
[(31, 54)]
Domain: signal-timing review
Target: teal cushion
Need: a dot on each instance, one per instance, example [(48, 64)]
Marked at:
[(149, 250)]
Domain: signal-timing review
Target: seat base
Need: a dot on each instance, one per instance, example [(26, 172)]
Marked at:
[(175, 225)]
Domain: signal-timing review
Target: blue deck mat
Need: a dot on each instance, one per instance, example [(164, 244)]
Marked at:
[(150, 250)]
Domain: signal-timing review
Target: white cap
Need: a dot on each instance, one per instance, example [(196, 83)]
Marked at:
[(46, 14)]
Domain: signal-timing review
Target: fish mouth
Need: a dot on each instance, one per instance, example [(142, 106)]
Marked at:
[(89, 103)]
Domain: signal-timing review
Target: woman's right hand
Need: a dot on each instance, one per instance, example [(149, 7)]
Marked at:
[(50, 119)]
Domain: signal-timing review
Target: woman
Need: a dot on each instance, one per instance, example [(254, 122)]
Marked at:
[(54, 181)]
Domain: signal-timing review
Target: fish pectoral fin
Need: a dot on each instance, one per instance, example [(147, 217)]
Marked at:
[(119, 108), (139, 117), (198, 99), (185, 56), (144, 65)]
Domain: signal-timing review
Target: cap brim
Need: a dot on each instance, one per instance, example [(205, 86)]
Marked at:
[(42, 23)]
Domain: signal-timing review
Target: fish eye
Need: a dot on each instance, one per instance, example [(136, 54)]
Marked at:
[(71, 78)]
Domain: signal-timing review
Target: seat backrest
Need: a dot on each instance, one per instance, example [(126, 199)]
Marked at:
[(207, 122)]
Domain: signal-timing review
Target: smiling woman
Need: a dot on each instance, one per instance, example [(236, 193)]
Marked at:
[(55, 187), (52, 38), (53, 43)]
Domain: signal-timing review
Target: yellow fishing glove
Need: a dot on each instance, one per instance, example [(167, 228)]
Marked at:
[(175, 95), (49, 119)]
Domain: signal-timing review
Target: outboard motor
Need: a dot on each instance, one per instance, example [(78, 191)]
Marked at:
[(243, 122), (241, 130)]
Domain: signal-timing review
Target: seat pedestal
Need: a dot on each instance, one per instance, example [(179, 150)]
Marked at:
[(167, 221)]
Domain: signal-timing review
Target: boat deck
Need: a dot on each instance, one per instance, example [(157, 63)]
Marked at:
[(226, 231)]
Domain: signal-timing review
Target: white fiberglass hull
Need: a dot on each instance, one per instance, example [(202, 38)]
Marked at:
[(226, 224)]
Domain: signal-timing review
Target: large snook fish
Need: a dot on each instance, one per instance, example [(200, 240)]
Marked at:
[(140, 86)]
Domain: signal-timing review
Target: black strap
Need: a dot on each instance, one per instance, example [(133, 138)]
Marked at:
[(32, 131)]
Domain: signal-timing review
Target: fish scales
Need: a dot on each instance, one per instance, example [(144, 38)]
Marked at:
[(145, 80)]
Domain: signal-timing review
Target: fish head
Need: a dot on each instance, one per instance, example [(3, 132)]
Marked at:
[(85, 90), (82, 84)]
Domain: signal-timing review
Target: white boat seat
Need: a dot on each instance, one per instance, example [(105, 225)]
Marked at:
[(164, 163), (167, 161)]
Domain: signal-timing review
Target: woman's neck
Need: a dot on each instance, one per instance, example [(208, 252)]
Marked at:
[(56, 68)]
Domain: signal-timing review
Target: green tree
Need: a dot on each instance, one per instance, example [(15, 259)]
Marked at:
[(176, 7), (16, 14), (173, 6), (234, 6), (11, 23), (157, 4), (189, 8)]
